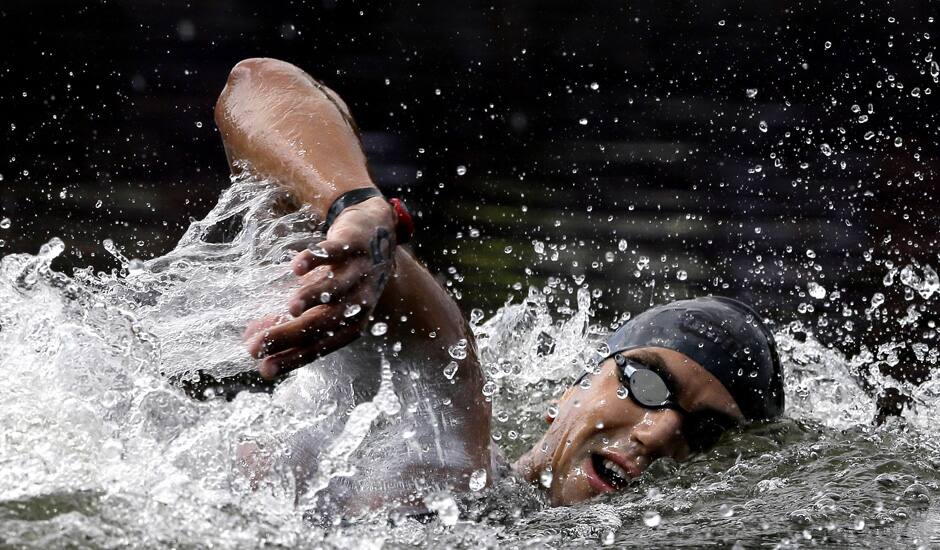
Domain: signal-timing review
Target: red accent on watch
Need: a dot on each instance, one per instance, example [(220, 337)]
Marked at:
[(405, 229)]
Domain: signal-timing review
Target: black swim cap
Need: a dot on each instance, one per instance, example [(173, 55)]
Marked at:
[(723, 335)]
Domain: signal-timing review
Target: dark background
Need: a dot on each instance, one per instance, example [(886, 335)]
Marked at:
[(580, 124)]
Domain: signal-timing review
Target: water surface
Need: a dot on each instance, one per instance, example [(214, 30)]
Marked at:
[(102, 448)]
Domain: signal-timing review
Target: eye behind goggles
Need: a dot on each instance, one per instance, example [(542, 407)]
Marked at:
[(653, 390)]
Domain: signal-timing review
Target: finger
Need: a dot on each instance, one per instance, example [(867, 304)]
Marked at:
[(326, 252), (311, 294), (254, 327), (286, 361), (314, 324)]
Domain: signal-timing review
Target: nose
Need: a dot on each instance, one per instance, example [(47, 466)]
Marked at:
[(659, 432)]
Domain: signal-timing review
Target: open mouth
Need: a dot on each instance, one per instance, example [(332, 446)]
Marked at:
[(609, 471)]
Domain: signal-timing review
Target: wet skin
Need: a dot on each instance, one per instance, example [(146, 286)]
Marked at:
[(594, 424), (296, 131)]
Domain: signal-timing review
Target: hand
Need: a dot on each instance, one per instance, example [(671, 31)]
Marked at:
[(342, 280)]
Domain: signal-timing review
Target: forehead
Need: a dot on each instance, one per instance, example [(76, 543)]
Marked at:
[(697, 388)]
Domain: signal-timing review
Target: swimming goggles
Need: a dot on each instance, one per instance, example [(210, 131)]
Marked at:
[(651, 389)]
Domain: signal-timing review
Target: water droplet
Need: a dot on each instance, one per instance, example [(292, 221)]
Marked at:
[(898, 142), (583, 122), (445, 507), (112, 449), (461, 170), (98, 204), (917, 492), (816, 290), (318, 251), (826, 149), (508, 250), (868, 135), (450, 370), (827, 44), (457, 352), (325, 298), (135, 266), (810, 253), (725, 511), (622, 245), (651, 518), (5, 223), (489, 388), (595, 85), (352, 310), (751, 92), (721, 23), (478, 480), (762, 126), (379, 329), (545, 478), (622, 392), (682, 275), (199, 125), (889, 277)]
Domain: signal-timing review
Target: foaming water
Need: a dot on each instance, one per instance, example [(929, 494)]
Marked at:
[(101, 447)]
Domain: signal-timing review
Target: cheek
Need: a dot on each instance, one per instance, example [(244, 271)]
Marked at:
[(581, 410)]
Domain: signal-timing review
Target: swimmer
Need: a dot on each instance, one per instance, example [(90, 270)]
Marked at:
[(672, 380)]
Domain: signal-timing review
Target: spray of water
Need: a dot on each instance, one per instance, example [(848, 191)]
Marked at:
[(100, 444)]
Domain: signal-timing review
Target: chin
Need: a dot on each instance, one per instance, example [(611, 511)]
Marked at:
[(571, 490)]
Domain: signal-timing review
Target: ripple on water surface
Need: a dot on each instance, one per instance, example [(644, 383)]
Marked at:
[(99, 448)]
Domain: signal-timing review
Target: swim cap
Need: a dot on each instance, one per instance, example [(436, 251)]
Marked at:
[(723, 335)]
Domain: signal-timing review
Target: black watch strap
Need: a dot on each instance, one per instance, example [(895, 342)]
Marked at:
[(344, 201)]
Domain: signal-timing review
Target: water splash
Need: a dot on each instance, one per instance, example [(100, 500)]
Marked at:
[(101, 445)]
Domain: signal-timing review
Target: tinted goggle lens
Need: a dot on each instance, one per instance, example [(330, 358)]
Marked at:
[(646, 386)]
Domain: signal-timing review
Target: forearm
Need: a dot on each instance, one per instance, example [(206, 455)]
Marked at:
[(426, 321), (418, 306)]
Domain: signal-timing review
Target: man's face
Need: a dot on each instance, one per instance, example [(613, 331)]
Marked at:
[(601, 438)]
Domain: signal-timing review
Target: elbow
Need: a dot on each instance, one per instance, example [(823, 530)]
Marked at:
[(246, 82)]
